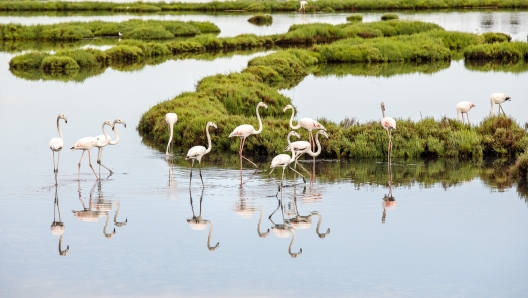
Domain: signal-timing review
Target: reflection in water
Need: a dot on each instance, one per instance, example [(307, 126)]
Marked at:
[(389, 202), (172, 182), (197, 223), (57, 227), (283, 230), (300, 222), (246, 211)]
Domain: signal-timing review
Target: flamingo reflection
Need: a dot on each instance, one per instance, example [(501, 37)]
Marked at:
[(389, 202), (198, 223), (172, 182), (300, 222), (283, 230), (246, 211), (57, 227)]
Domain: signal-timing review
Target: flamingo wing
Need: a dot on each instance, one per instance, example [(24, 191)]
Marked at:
[(196, 152), (242, 131), (310, 124), (280, 160), (56, 144), (86, 143)]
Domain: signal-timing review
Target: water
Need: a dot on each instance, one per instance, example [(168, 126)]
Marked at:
[(454, 229)]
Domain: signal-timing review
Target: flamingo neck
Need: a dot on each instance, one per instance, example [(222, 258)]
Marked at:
[(58, 127), (107, 137), (291, 120), (170, 138), (261, 235), (291, 244), (208, 139), (318, 146), (209, 237), (259, 121), (292, 159), (117, 137), (493, 107)]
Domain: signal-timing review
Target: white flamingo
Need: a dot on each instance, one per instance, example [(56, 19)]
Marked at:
[(283, 160), (302, 147), (306, 123), (56, 145), (464, 107), (498, 99), (171, 119), (197, 152), (303, 6), (86, 144), (388, 124), (245, 130), (110, 142)]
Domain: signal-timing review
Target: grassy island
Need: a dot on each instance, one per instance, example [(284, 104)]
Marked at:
[(258, 6)]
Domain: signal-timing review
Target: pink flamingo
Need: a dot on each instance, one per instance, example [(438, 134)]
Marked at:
[(388, 124), (498, 99), (464, 107), (86, 144), (56, 145)]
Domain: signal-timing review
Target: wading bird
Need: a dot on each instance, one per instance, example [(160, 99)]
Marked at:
[(389, 124), (245, 130), (86, 144), (171, 119), (464, 107), (306, 123), (197, 152), (302, 147), (56, 145), (283, 160), (498, 99), (303, 7), (110, 142)]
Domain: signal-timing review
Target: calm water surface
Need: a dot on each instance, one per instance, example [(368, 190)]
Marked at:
[(454, 229)]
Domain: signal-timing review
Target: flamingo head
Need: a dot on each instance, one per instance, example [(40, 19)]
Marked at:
[(472, 105), (61, 116), (119, 121), (107, 122), (261, 104), (507, 97), (212, 124), (323, 132), (294, 133), (287, 107)]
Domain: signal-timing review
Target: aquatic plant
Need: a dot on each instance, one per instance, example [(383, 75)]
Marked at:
[(58, 63), (261, 19), (498, 51), (137, 29), (493, 37), (389, 16), (355, 18)]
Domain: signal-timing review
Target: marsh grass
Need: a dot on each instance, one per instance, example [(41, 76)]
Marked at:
[(389, 16), (497, 66), (136, 29), (355, 18), (498, 51), (261, 20)]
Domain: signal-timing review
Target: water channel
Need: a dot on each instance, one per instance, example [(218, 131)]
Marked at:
[(426, 228)]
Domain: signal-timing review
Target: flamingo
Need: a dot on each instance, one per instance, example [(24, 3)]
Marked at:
[(170, 118), (56, 145), (464, 107), (283, 160), (197, 152), (303, 8), (119, 34), (302, 147), (110, 142), (245, 130), (498, 99), (389, 124), (86, 144), (306, 123), (57, 227)]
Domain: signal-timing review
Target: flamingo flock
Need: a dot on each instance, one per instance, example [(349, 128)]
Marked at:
[(196, 153)]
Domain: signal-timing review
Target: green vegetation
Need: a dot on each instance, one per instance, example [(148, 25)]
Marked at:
[(355, 18), (261, 20), (498, 51), (343, 5), (230, 100), (493, 37), (497, 66), (389, 16), (135, 29)]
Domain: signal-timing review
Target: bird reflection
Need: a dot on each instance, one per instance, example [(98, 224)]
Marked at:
[(300, 222), (90, 214), (57, 227), (119, 224), (172, 182), (389, 202), (246, 211), (197, 223), (283, 230)]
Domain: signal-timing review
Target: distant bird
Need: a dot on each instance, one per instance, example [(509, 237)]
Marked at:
[(86, 144), (306, 123), (110, 142), (283, 160), (302, 147), (464, 107), (245, 130), (56, 145), (120, 34), (388, 124), (303, 6), (171, 119), (498, 99), (197, 152), (100, 142)]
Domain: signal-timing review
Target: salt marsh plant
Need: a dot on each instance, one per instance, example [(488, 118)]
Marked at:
[(389, 16), (355, 18), (261, 19)]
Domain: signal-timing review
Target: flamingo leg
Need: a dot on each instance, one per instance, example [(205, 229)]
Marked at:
[(54, 166), (500, 107), (90, 162), (467, 115), (242, 156), (190, 176), (99, 157), (282, 179), (79, 172), (298, 173), (200, 167), (272, 177)]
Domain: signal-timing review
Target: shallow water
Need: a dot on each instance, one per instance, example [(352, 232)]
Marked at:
[(514, 23), (454, 229)]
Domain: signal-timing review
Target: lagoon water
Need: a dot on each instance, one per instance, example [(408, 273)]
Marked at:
[(454, 229)]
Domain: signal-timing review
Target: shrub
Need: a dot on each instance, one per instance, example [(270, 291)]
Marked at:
[(55, 63), (389, 16), (493, 37), (27, 61), (502, 51), (355, 18), (124, 53)]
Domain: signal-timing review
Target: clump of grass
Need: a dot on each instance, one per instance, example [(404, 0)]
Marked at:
[(355, 18), (310, 34), (494, 37), (520, 168), (137, 8), (28, 61), (389, 16), (124, 53), (328, 9), (499, 51), (58, 64), (497, 66), (502, 136), (261, 19)]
